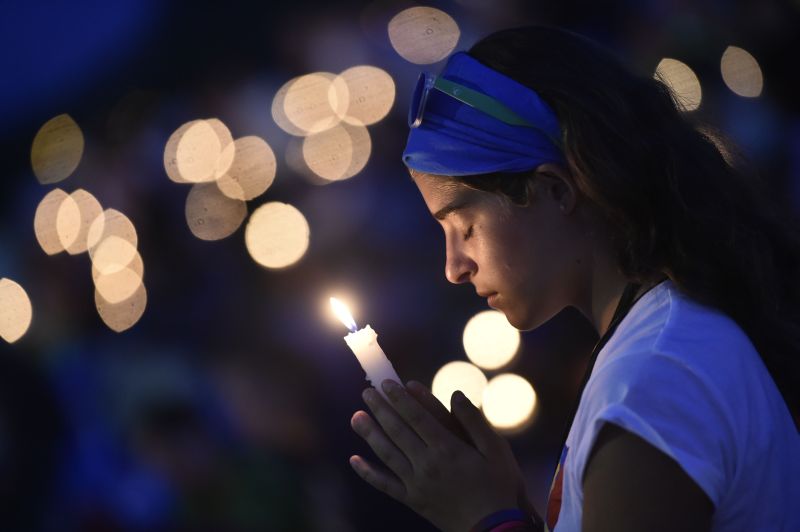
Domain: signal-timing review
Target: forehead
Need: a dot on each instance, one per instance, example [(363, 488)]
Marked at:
[(437, 190)]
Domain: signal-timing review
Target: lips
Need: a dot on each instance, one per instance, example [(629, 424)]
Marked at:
[(491, 297)]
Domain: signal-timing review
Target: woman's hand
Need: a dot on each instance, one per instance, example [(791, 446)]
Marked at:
[(451, 482)]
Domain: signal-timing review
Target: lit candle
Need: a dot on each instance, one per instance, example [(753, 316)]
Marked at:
[(364, 344)]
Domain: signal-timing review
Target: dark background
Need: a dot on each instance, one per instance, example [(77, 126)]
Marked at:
[(227, 406)]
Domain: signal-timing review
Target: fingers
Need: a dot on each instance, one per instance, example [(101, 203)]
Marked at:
[(428, 400), (437, 409), (415, 415), (479, 430), (380, 480), (393, 425), (384, 449)]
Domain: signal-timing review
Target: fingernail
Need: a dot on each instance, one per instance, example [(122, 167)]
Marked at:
[(390, 386), (367, 394)]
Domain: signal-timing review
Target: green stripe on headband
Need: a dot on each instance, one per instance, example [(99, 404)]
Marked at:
[(481, 102)]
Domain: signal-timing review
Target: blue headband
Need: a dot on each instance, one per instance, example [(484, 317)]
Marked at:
[(456, 139)]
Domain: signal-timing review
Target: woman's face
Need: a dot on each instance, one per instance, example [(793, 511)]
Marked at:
[(524, 260)]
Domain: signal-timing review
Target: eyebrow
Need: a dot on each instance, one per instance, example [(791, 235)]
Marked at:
[(442, 213)]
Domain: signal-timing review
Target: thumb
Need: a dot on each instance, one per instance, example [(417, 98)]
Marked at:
[(473, 421)]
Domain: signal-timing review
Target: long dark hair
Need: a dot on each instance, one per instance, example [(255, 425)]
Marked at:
[(674, 201)]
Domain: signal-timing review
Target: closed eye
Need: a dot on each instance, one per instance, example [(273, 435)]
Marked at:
[(468, 234)]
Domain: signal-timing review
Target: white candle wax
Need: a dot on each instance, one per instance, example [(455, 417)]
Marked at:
[(364, 344)]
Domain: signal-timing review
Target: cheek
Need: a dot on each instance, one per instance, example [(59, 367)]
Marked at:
[(522, 264), (507, 251), (517, 244)]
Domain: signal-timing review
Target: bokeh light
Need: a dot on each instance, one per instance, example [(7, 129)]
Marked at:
[(278, 110), (122, 316), (74, 218), (199, 151), (338, 153), (227, 150), (119, 286), (741, 72), (310, 103), (57, 149), (509, 402), (683, 82), (211, 215), (252, 170), (489, 340), (459, 375), (44, 221), (113, 254), (371, 94), (423, 35), (117, 266), (16, 311), (277, 235), (135, 264), (68, 222), (111, 223), (171, 153)]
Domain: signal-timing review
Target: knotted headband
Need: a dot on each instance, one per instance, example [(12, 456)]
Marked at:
[(454, 138)]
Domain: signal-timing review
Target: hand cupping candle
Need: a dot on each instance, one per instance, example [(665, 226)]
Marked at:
[(364, 344)]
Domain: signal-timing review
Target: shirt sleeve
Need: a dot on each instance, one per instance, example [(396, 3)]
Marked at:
[(675, 408)]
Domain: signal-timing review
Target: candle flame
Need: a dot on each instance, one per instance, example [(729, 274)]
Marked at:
[(343, 313)]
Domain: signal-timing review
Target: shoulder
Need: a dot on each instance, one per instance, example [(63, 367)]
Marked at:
[(657, 382), (669, 335), (682, 387), (668, 321)]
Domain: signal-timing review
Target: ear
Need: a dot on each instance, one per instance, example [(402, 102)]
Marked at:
[(559, 185)]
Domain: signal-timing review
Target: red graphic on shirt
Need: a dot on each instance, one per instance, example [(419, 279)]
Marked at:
[(556, 491)]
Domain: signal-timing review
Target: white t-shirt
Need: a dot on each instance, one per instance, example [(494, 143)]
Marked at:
[(687, 379)]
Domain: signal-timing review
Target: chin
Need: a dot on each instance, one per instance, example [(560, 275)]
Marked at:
[(517, 321), (523, 325), (523, 319)]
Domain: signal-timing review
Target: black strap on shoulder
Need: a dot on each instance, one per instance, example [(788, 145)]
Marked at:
[(624, 305)]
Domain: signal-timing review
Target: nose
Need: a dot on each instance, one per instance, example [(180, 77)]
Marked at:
[(459, 267)]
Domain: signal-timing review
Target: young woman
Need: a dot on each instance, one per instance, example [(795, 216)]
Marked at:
[(560, 179)]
